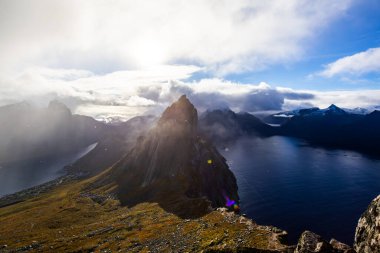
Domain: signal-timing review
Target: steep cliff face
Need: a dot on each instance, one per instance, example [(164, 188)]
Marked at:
[(367, 235), (172, 164)]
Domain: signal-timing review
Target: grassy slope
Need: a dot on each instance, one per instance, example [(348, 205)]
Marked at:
[(66, 220)]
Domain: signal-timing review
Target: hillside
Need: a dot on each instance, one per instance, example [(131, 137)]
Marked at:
[(73, 219)]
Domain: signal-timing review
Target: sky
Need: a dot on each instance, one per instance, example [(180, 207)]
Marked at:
[(125, 58)]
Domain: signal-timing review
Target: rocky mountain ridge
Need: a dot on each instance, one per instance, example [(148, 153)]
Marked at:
[(174, 166), (171, 183)]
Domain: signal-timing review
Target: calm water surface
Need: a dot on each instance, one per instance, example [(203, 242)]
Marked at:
[(19, 176), (285, 183)]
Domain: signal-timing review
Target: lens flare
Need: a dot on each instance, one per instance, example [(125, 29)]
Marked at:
[(230, 203)]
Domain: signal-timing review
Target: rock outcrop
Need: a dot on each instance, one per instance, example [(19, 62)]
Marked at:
[(174, 166), (341, 247), (310, 242), (367, 235)]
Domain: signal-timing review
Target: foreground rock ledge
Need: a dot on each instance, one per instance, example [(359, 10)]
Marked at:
[(310, 242), (367, 235)]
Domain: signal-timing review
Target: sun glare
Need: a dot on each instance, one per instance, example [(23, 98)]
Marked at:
[(148, 53)]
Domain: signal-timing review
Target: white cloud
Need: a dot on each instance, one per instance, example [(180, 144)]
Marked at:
[(103, 36), (78, 86), (350, 99), (128, 57), (357, 64), (130, 93)]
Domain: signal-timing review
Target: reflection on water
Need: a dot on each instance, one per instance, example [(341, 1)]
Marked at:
[(18, 176), (285, 183)]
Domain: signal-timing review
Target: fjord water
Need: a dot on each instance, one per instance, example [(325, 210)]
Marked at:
[(22, 175), (296, 187)]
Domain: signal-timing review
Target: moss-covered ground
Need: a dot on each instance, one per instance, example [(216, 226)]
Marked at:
[(69, 219)]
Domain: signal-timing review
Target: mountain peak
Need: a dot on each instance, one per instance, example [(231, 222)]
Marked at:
[(375, 113), (333, 107), (180, 112), (173, 165), (58, 107)]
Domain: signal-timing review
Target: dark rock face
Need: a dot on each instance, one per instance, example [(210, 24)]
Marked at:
[(367, 235), (310, 243), (222, 126), (173, 165)]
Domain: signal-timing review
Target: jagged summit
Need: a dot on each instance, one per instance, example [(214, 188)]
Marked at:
[(181, 112), (333, 107), (58, 107), (374, 113), (174, 166)]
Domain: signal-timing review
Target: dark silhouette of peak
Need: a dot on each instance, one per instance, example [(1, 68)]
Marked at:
[(333, 109), (375, 113), (174, 166), (225, 125), (335, 127), (181, 112), (56, 106), (371, 121)]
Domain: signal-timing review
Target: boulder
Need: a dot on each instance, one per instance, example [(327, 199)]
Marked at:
[(310, 242), (367, 235)]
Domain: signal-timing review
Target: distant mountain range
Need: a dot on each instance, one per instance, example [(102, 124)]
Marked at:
[(282, 117), (31, 134), (170, 161), (336, 127), (332, 127), (223, 126), (27, 132)]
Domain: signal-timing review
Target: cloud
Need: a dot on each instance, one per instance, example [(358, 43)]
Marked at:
[(357, 64), (223, 36), (126, 94), (347, 99), (78, 87), (369, 99), (129, 93)]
